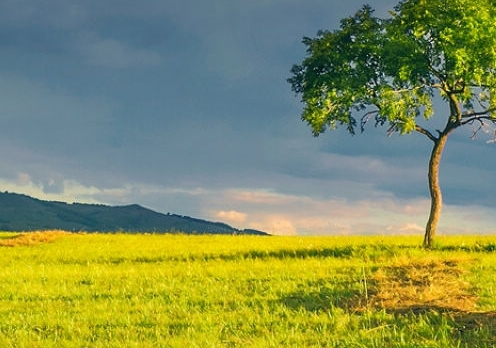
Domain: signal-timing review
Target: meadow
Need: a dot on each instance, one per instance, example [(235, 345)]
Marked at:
[(127, 290)]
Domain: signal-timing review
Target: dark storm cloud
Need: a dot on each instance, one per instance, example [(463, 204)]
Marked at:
[(183, 106)]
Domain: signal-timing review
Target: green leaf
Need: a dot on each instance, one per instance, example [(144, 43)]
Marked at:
[(397, 65)]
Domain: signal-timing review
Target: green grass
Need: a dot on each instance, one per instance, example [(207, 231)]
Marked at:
[(101, 290)]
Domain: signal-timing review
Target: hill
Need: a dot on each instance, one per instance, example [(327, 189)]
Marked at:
[(23, 213)]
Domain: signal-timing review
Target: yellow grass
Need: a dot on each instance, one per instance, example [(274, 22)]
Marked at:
[(123, 290)]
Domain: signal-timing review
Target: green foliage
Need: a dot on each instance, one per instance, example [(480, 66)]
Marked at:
[(392, 68), (242, 291)]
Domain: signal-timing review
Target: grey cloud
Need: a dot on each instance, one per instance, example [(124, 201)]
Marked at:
[(113, 54), (53, 13), (53, 186), (152, 102)]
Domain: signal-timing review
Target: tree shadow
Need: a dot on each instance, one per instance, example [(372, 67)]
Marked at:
[(471, 323), (342, 252), (469, 328), (323, 300)]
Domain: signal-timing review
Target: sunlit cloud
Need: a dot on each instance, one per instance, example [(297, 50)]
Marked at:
[(276, 224), (406, 229), (273, 212), (232, 216), (289, 214)]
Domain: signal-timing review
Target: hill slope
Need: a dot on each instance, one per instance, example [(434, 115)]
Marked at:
[(24, 213)]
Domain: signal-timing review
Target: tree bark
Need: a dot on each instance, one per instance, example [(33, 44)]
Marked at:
[(434, 189)]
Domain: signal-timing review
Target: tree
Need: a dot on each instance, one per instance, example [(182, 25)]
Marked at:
[(389, 72)]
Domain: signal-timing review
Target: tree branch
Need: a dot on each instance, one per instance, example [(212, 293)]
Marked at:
[(479, 119), (425, 132), (478, 114), (367, 117)]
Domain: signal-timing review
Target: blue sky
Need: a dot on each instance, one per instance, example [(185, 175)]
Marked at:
[(182, 106)]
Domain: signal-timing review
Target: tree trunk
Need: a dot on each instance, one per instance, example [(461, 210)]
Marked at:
[(435, 190)]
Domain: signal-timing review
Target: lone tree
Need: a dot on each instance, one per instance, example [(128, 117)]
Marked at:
[(389, 71)]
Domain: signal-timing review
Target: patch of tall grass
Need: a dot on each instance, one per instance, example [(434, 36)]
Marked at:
[(105, 290)]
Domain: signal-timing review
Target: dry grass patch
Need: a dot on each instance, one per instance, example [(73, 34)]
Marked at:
[(418, 287), (421, 285), (33, 238)]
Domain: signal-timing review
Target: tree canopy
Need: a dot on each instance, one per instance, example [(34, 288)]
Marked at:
[(391, 70)]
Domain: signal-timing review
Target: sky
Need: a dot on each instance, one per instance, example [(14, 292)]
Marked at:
[(182, 106)]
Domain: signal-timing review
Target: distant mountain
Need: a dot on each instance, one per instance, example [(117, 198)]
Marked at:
[(23, 213)]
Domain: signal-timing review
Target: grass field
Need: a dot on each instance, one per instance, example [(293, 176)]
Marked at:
[(101, 290)]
